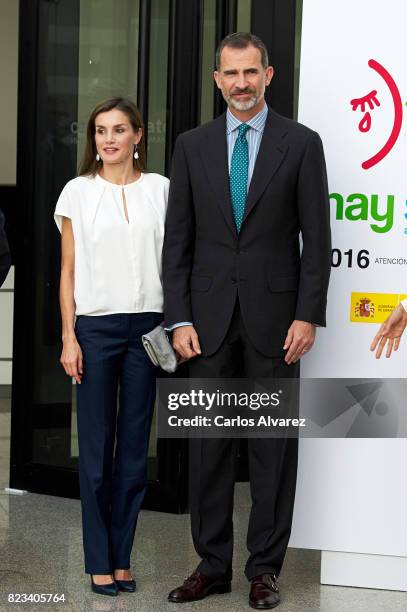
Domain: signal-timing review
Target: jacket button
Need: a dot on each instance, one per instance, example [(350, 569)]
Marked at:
[(233, 281)]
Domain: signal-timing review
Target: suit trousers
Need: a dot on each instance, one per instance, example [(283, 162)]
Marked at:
[(213, 463), (113, 477)]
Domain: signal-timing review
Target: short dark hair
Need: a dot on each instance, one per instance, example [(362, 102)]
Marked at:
[(241, 40)]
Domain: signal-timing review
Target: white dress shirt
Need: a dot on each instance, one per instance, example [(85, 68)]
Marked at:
[(253, 136), (117, 262)]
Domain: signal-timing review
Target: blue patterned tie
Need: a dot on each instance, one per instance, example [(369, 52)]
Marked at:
[(239, 170)]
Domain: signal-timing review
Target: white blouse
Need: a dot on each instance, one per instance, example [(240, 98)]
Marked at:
[(117, 263), (404, 304)]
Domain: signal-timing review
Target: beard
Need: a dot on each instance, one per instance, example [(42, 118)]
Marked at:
[(242, 105)]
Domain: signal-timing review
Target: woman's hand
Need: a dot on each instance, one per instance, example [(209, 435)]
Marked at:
[(71, 358), (390, 332)]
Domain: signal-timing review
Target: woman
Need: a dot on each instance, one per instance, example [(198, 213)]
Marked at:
[(111, 219)]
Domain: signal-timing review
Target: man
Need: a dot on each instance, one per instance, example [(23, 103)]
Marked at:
[(5, 259), (243, 301)]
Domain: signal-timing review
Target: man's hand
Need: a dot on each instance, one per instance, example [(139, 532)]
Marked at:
[(299, 340), (185, 341), (390, 331)]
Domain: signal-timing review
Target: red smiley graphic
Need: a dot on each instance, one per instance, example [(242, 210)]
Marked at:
[(371, 100)]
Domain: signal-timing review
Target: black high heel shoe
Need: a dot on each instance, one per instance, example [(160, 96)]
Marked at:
[(127, 586), (110, 589)]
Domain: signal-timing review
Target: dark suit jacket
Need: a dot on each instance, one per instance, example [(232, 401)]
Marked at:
[(206, 264), (5, 259)]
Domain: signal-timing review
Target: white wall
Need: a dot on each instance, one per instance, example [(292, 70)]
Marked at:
[(6, 328)]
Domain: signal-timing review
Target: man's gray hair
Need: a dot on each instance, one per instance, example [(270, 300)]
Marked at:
[(241, 40)]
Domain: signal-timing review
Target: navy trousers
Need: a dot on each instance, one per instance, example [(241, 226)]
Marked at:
[(113, 478)]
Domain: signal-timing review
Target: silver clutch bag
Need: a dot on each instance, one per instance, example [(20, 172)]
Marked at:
[(159, 349)]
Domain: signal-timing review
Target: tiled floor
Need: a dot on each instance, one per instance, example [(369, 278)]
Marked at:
[(41, 552)]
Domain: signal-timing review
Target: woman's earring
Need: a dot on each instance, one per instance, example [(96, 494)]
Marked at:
[(136, 155), (97, 157)]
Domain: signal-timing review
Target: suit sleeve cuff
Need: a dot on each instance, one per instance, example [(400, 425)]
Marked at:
[(175, 325)]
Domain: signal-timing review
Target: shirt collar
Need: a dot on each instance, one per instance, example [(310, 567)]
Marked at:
[(256, 123)]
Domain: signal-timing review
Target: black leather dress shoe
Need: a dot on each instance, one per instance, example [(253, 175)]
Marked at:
[(104, 589), (264, 593), (127, 586), (199, 586)]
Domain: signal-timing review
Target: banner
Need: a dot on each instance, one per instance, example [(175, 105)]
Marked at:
[(353, 91), (351, 494)]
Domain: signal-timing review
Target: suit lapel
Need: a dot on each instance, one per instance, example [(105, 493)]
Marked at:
[(214, 157), (270, 156)]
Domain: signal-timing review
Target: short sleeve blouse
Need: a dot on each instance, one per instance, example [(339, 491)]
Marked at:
[(117, 262)]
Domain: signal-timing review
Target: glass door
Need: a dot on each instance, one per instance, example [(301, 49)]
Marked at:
[(74, 53)]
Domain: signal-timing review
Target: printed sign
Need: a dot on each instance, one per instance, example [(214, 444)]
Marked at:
[(354, 95)]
